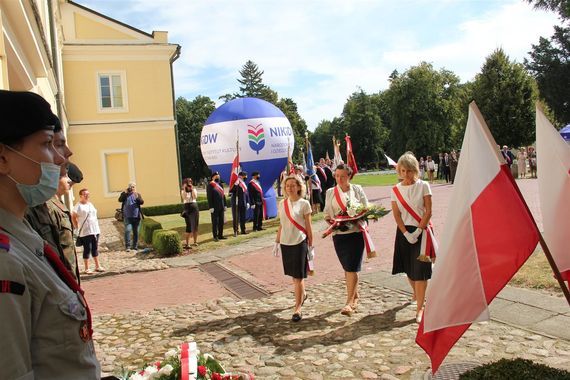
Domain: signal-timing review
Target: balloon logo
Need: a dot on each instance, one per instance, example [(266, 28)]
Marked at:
[(256, 137)]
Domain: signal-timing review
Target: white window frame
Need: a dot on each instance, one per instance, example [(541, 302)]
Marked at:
[(132, 177), (123, 75)]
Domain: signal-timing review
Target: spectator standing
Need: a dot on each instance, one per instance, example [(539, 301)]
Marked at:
[(240, 203), (430, 167), (422, 168), (256, 198), (191, 212), (507, 155), (521, 162), (453, 162), (217, 205), (131, 202), (85, 220), (440, 166), (532, 161), (446, 167)]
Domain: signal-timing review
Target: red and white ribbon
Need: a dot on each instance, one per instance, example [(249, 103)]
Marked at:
[(188, 361)]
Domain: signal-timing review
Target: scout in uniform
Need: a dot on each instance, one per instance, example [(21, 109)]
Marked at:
[(217, 205), (43, 315)]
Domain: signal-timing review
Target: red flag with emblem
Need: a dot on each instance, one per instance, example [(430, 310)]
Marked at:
[(235, 167)]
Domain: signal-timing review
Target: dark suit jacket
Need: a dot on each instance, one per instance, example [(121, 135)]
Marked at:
[(215, 199)]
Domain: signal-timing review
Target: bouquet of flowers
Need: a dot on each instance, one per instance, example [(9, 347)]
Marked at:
[(357, 215), (171, 369)]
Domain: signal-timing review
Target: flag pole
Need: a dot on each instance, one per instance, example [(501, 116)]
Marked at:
[(306, 163), (555, 269)]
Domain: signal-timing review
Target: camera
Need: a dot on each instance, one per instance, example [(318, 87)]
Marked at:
[(129, 189)]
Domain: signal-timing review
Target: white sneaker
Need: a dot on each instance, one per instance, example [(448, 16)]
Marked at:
[(100, 269), (88, 271)]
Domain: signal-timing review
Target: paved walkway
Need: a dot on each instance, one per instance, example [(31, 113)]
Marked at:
[(139, 316)]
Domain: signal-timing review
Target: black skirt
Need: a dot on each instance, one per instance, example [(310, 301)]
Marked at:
[(192, 216), (349, 250), (295, 259), (406, 258)]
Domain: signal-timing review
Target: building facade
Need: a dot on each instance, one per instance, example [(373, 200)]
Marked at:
[(112, 87)]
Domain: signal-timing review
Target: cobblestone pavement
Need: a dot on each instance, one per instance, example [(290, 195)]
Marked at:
[(139, 316), (258, 336)]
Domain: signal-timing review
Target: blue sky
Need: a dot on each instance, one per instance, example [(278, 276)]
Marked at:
[(319, 52)]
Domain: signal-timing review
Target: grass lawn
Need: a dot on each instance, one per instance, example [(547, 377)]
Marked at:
[(536, 274), (205, 238), (375, 179)]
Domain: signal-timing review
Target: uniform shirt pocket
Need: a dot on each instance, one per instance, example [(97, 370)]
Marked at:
[(74, 319)]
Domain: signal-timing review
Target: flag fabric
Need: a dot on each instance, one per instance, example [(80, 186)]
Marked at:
[(337, 159), (489, 233), (290, 169), (390, 161), (310, 162), (553, 168), (351, 161), (235, 169)]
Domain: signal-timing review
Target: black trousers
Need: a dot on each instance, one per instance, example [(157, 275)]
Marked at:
[(217, 223), (257, 216), (238, 216)]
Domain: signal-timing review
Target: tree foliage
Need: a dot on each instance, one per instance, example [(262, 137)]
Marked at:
[(424, 109), (251, 85), (549, 62), (299, 126), (506, 95), (191, 116)]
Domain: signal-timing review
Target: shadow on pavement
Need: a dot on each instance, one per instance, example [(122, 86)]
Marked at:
[(268, 328)]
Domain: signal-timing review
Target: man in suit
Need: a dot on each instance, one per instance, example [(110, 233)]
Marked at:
[(217, 205), (240, 203), (256, 198)]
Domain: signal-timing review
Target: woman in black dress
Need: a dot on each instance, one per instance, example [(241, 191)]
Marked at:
[(191, 212)]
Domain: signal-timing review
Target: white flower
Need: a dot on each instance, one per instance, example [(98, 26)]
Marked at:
[(171, 354), (150, 372), (351, 212), (137, 376), (165, 371)]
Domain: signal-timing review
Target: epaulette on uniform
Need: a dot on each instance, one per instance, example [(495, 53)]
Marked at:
[(4, 240)]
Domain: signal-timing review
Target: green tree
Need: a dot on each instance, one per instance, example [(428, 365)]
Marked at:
[(363, 122), (506, 95), (299, 126), (251, 85), (424, 107), (191, 116), (549, 62)]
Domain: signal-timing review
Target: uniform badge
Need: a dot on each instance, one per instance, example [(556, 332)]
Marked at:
[(4, 241), (84, 332)]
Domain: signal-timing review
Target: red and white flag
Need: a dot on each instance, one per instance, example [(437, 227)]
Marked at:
[(489, 234), (351, 161), (553, 168), (235, 171)]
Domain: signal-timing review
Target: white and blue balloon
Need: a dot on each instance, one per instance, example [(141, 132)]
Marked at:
[(264, 136)]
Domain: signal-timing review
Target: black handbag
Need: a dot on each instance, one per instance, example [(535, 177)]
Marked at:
[(119, 214)]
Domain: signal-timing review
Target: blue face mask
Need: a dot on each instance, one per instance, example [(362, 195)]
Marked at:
[(46, 188)]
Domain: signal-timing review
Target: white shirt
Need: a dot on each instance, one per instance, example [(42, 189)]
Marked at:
[(290, 235), (91, 226), (356, 195), (414, 196), (189, 197)]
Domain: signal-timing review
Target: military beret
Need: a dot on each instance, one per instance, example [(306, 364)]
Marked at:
[(242, 174), (24, 113), (74, 173), (254, 173), (214, 174)]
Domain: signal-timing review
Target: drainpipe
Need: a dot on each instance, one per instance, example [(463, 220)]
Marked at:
[(174, 57)]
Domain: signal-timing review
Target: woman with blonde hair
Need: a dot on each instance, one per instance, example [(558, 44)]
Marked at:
[(411, 206), (294, 237)]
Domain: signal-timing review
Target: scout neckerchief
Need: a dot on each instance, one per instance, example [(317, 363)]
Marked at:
[(257, 187), (361, 224), (217, 187), (310, 263), (429, 244)]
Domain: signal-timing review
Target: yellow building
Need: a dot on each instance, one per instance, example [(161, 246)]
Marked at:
[(112, 87)]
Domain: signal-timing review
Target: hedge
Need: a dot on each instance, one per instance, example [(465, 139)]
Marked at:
[(148, 225), (508, 369), (176, 208), (167, 242)]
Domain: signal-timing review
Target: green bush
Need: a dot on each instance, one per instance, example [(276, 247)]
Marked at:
[(176, 208), (148, 225), (167, 242), (508, 369), (155, 236)]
